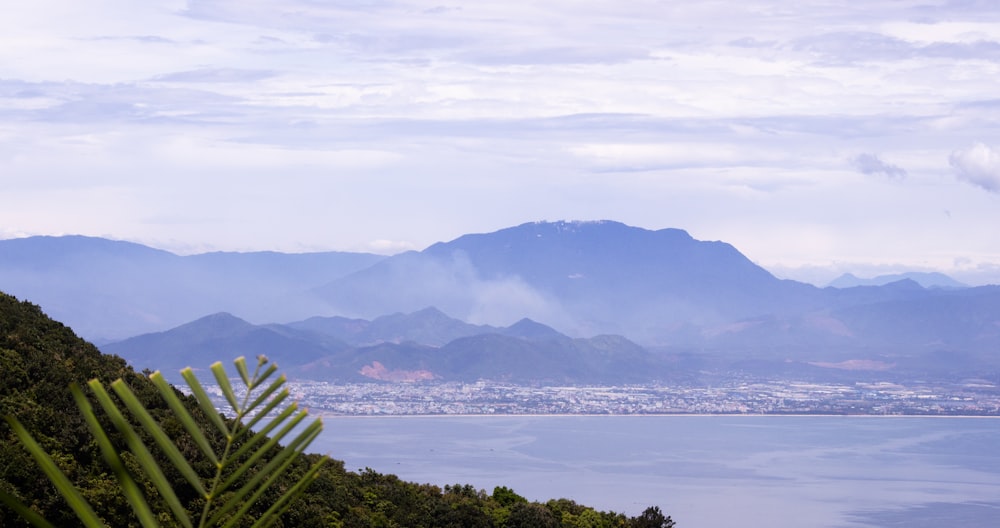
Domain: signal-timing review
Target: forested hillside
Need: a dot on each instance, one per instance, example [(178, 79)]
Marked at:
[(39, 358)]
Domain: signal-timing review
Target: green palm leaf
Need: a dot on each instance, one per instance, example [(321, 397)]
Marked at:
[(244, 468)]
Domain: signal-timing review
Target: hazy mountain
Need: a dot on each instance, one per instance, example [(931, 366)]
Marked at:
[(110, 289), (967, 319), (428, 326), (528, 329), (553, 360), (927, 280), (581, 277), (222, 337), (527, 352), (522, 293)]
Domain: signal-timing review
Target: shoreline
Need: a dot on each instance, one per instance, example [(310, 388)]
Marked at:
[(663, 415)]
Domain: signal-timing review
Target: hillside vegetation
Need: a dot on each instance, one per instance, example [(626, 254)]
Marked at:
[(40, 358)]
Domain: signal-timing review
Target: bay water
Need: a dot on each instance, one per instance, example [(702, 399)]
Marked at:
[(704, 471)]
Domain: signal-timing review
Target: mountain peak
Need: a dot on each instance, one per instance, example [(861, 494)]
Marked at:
[(610, 227), (557, 271), (925, 279), (220, 322), (529, 329)]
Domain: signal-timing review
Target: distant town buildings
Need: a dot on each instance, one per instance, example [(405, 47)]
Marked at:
[(974, 398)]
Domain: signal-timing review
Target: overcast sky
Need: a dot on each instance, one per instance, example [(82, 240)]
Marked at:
[(815, 136)]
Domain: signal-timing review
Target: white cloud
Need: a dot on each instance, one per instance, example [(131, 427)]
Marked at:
[(639, 156), (206, 153), (871, 164), (389, 247), (978, 165), (215, 75), (929, 33), (400, 120)]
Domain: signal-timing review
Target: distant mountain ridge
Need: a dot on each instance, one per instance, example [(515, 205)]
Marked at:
[(398, 347), (429, 326), (109, 290), (583, 277), (680, 299), (927, 280)]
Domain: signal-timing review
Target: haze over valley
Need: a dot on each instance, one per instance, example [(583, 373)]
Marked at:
[(557, 303)]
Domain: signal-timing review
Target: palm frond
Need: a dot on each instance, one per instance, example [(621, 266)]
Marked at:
[(244, 468)]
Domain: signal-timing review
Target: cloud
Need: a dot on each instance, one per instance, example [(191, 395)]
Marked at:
[(451, 283), (219, 155), (555, 55), (213, 75), (850, 46), (864, 46), (389, 247), (655, 156), (750, 42), (92, 103), (871, 165), (493, 113), (978, 165), (148, 39), (979, 50)]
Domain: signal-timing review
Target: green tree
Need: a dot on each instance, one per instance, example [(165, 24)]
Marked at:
[(506, 496), (652, 517), (531, 515)]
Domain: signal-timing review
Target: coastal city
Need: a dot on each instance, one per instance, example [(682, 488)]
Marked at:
[(971, 398)]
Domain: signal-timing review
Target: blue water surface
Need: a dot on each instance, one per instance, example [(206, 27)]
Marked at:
[(705, 471)]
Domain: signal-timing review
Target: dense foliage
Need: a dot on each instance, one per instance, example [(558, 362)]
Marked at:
[(40, 358)]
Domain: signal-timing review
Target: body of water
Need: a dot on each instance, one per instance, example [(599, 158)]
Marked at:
[(705, 471)]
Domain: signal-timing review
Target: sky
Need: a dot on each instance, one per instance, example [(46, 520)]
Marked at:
[(817, 137)]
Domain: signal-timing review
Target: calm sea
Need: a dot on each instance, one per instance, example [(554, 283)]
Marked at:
[(705, 471)]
